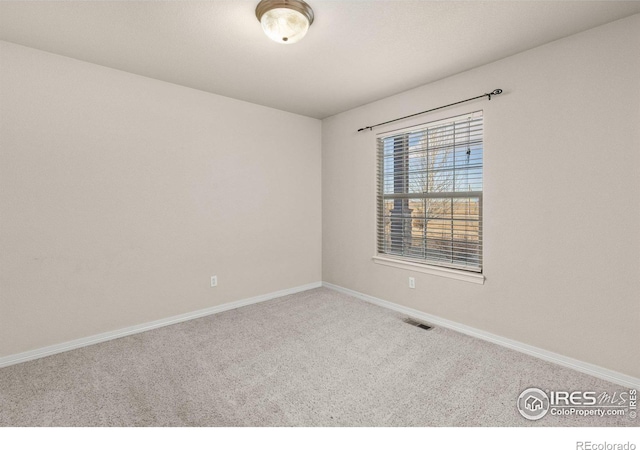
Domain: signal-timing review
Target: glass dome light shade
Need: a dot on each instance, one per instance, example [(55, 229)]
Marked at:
[(285, 26), (284, 21)]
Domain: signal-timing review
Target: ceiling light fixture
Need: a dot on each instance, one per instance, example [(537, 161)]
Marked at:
[(284, 21)]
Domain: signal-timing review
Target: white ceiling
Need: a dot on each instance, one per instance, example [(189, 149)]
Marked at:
[(355, 52)]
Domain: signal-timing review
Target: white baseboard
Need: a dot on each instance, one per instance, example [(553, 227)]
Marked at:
[(580, 366), (102, 337)]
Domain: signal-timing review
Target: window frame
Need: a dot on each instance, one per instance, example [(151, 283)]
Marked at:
[(426, 265)]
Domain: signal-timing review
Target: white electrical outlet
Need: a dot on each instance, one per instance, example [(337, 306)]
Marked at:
[(412, 282), (214, 281)]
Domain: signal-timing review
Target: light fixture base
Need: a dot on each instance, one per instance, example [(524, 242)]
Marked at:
[(296, 5)]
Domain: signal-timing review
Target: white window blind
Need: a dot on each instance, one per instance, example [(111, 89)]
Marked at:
[(430, 193)]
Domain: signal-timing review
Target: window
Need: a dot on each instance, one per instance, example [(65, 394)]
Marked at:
[(430, 193)]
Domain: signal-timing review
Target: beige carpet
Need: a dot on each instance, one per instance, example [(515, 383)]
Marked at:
[(317, 358)]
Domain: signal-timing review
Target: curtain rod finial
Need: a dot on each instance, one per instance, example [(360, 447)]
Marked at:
[(494, 92)]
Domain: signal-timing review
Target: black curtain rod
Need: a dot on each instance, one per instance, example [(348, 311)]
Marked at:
[(494, 92)]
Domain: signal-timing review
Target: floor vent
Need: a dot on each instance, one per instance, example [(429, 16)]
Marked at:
[(415, 323)]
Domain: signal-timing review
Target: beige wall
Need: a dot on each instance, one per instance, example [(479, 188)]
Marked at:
[(561, 202), (121, 195)]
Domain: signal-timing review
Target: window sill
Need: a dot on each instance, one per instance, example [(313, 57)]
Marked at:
[(446, 272)]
